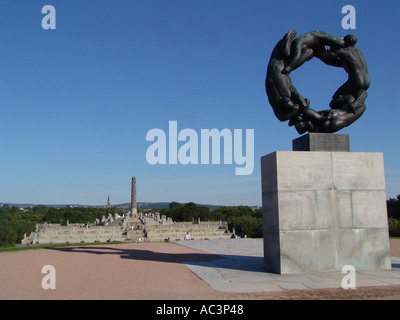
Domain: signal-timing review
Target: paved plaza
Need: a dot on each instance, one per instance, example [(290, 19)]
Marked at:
[(242, 270)]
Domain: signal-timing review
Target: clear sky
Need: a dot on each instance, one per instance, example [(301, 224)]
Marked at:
[(77, 102)]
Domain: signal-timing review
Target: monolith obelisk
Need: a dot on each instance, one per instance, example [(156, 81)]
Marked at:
[(133, 197)]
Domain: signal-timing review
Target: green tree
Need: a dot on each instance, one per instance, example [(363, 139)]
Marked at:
[(393, 207), (13, 225), (394, 227), (8, 235), (174, 205), (247, 225)]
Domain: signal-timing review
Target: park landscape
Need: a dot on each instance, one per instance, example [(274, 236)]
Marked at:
[(87, 99)]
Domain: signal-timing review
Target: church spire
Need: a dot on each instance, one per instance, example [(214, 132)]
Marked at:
[(108, 202)]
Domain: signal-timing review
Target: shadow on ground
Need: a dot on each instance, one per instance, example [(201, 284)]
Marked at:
[(220, 261), (234, 262)]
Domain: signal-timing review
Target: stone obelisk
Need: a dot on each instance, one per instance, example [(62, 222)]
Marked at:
[(133, 197)]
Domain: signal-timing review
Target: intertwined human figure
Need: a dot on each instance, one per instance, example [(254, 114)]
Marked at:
[(347, 104)]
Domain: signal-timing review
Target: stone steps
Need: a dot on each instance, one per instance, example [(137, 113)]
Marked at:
[(156, 232), (160, 236), (75, 235), (75, 239)]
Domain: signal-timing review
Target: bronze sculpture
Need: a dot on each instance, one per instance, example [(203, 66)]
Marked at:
[(347, 103)]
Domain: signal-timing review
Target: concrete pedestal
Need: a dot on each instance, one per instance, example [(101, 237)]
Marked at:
[(324, 210), (322, 142)]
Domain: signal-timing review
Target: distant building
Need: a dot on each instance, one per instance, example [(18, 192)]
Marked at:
[(108, 202)]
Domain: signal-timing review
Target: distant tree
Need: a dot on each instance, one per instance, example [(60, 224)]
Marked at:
[(53, 215), (394, 227), (174, 205), (13, 225), (8, 235), (393, 207), (40, 209), (258, 213), (247, 225), (235, 211), (204, 214)]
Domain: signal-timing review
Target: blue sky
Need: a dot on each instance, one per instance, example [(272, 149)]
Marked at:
[(77, 102)]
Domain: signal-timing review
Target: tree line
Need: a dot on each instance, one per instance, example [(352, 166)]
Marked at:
[(245, 220)]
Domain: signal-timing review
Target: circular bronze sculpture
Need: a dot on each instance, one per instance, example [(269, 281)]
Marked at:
[(347, 103)]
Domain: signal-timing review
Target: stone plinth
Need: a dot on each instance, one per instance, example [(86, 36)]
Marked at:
[(322, 142), (324, 210)]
